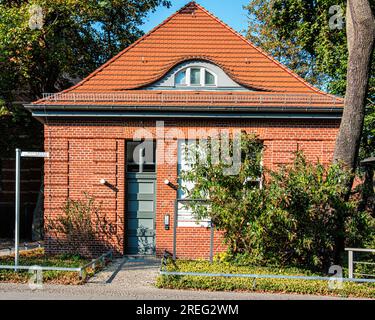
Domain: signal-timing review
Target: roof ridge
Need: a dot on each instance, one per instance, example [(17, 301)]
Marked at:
[(292, 73), (118, 55)]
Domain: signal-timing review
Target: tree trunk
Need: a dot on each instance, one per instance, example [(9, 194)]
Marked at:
[(361, 33)]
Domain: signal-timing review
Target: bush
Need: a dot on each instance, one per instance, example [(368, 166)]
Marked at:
[(299, 217), (233, 199), (38, 257), (262, 285), (82, 227), (306, 220)]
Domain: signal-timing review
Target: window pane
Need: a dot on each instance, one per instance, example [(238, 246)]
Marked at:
[(181, 78), (130, 156), (185, 215), (209, 78), (195, 76), (133, 148)]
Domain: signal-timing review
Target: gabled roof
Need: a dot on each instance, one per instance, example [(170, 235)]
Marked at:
[(192, 33)]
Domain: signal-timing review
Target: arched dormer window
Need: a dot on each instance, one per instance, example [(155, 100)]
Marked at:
[(196, 76)]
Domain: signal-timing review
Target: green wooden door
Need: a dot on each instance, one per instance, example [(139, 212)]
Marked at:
[(140, 213)]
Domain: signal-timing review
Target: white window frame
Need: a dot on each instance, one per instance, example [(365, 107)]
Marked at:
[(185, 216), (202, 77)]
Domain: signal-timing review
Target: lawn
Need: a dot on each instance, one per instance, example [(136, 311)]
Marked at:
[(38, 257), (317, 287)]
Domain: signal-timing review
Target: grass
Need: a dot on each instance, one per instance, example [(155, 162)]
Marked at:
[(38, 257), (316, 287)]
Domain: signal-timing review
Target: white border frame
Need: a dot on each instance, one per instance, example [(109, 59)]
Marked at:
[(202, 77)]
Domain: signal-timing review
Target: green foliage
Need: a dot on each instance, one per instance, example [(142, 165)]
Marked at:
[(3, 109), (261, 285), (82, 224), (306, 213), (297, 33), (234, 199), (297, 218), (38, 257), (76, 37), (18, 130), (368, 137)]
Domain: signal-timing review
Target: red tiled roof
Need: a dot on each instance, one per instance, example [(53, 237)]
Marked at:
[(192, 32)]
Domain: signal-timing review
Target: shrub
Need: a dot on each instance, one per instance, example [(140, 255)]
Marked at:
[(82, 225), (233, 199), (250, 284), (304, 221), (38, 257), (299, 217)]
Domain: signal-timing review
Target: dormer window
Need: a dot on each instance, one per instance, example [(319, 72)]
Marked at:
[(181, 78), (209, 78), (195, 77)]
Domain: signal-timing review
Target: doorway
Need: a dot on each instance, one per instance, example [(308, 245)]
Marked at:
[(140, 197)]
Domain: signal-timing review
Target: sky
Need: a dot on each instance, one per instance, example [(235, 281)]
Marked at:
[(229, 11)]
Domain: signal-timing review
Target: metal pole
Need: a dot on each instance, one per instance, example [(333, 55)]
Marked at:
[(175, 229), (211, 242), (350, 264), (17, 207)]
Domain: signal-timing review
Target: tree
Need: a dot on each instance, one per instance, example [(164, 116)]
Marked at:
[(298, 34), (305, 26), (361, 36), (295, 30), (73, 38)]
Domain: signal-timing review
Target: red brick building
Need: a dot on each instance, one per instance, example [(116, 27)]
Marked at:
[(190, 76)]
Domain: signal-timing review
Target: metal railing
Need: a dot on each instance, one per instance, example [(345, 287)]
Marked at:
[(25, 247), (164, 262), (93, 263), (264, 276), (165, 98), (352, 262), (80, 270)]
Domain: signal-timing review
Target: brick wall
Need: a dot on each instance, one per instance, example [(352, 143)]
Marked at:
[(83, 152)]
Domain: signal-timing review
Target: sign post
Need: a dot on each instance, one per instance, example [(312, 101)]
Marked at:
[(19, 154), (17, 206)]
